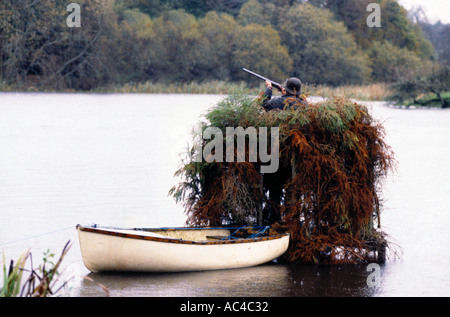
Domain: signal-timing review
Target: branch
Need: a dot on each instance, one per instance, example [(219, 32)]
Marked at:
[(61, 69)]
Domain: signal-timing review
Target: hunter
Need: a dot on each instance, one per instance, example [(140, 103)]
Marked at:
[(290, 95)]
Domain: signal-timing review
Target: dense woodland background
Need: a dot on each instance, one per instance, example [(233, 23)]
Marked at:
[(133, 41)]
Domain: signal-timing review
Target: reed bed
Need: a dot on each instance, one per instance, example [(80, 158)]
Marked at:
[(212, 87), (40, 282), (373, 92)]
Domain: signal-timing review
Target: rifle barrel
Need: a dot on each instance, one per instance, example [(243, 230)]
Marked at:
[(274, 84)]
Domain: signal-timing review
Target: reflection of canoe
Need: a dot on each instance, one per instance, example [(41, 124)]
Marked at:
[(176, 249), (266, 280)]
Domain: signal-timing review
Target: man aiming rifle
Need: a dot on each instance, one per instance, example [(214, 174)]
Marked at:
[(290, 97)]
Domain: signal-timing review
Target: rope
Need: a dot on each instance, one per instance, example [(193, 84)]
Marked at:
[(256, 234), (231, 235), (260, 232), (35, 236)]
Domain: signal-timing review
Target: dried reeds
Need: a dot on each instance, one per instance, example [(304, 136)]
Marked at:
[(39, 283), (325, 193)]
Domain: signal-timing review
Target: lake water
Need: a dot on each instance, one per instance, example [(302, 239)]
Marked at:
[(109, 159)]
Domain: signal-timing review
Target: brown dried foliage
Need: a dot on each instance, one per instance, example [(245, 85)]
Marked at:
[(326, 193)]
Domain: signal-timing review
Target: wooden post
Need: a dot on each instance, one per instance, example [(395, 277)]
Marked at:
[(260, 205), (381, 253)]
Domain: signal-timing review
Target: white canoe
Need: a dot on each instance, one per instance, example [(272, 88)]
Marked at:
[(174, 249)]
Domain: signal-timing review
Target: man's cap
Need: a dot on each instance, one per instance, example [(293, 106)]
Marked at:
[(293, 86)]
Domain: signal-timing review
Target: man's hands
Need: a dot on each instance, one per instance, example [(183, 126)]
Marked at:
[(269, 85)]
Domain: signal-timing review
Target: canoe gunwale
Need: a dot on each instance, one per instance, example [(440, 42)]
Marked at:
[(105, 231)]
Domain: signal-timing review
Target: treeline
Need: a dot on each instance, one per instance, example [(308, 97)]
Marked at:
[(131, 41), (439, 35)]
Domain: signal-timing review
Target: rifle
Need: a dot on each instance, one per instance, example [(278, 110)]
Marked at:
[(274, 84)]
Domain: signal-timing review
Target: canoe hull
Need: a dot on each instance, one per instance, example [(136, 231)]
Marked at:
[(110, 251)]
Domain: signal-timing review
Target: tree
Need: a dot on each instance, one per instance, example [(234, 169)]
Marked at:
[(120, 41), (417, 87), (30, 39), (438, 82), (390, 63), (198, 8), (136, 35), (39, 49), (439, 35), (219, 32), (151, 7), (231, 7), (252, 13), (259, 48), (401, 32), (175, 52), (396, 27), (322, 49)]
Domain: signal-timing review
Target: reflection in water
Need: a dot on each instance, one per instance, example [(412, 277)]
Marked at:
[(263, 281)]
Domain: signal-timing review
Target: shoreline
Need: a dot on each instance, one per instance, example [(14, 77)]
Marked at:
[(373, 92), (365, 93)]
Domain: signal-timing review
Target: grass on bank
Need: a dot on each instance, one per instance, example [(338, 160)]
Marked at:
[(374, 92), (148, 87), (426, 101)]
